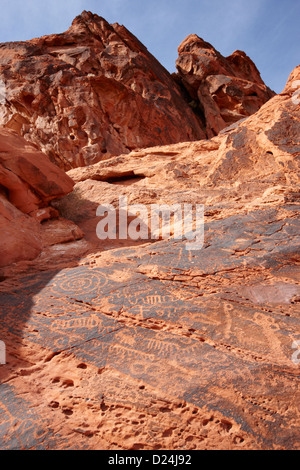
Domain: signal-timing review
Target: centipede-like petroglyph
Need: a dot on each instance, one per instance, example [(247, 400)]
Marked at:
[(83, 322)]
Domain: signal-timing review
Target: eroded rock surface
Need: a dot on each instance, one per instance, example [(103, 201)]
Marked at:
[(95, 91), (222, 90), (90, 93), (28, 182), (152, 346)]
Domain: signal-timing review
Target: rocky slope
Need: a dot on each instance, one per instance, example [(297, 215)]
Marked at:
[(151, 346), (249, 165), (95, 91)]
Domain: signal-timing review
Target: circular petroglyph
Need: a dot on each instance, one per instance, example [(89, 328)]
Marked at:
[(77, 283)]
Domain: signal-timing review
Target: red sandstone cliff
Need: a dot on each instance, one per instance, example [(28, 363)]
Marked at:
[(90, 93), (95, 91)]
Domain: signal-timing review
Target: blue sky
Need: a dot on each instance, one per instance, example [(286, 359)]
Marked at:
[(267, 30)]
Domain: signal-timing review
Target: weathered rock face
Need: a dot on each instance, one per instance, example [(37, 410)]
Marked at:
[(222, 90), (95, 91), (28, 182), (124, 344), (152, 346), (247, 163), (90, 93), (31, 180)]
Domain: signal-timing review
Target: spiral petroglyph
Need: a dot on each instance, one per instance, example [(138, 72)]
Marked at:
[(76, 283)]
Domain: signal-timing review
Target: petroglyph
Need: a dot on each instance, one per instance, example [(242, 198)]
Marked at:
[(185, 340), (78, 283)]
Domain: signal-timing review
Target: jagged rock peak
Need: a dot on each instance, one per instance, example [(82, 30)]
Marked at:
[(95, 91), (92, 92), (223, 89), (87, 18), (193, 41)]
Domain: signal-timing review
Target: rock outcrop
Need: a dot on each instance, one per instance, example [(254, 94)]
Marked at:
[(28, 182), (222, 90), (90, 93), (142, 344), (95, 91), (152, 346), (250, 162)]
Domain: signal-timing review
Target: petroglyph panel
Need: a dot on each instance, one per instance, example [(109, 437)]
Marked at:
[(20, 427), (192, 330)]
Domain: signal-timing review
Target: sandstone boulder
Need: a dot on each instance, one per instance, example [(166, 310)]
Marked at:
[(20, 235), (28, 182), (29, 177)]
